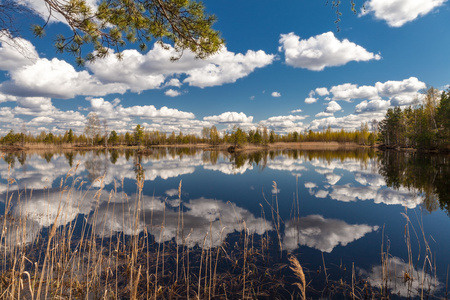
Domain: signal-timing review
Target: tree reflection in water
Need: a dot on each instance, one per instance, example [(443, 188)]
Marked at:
[(424, 173)]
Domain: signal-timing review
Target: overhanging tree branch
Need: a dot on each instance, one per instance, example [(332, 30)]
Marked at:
[(114, 23)]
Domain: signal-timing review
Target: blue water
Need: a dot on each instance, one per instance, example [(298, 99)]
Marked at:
[(339, 207)]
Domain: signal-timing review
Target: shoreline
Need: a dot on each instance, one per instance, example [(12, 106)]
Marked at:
[(317, 146), (208, 147)]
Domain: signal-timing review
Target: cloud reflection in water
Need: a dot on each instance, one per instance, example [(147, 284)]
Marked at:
[(395, 271), (200, 218), (322, 234)]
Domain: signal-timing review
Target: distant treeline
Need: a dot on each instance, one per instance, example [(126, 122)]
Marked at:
[(96, 133), (425, 125), (237, 137)]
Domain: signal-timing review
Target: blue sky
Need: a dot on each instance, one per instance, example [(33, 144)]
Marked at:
[(285, 65)]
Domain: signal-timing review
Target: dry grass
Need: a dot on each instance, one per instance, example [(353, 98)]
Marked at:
[(314, 145), (84, 259), (298, 271)]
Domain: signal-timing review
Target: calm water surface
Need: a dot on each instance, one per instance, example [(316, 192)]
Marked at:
[(335, 209)]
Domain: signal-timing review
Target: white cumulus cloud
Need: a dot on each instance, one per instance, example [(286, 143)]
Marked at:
[(284, 123), (374, 105), (116, 111), (394, 88), (323, 114), (322, 91), (332, 107), (321, 51), (276, 94), (376, 99), (285, 118), (230, 117), (41, 8), (227, 67), (16, 53), (398, 93), (31, 75), (55, 78), (349, 91), (398, 12), (310, 100), (41, 120), (348, 122), (172, 93)]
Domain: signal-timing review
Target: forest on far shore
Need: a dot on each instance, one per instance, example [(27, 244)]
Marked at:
[(421, 126)]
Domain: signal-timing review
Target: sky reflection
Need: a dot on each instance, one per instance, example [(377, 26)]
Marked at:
[(96, 179)]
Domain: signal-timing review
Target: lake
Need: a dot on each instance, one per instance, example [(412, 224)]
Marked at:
[(359, 222)]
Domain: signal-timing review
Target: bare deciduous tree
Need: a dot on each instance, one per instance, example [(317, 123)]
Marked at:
[(92, 128)]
